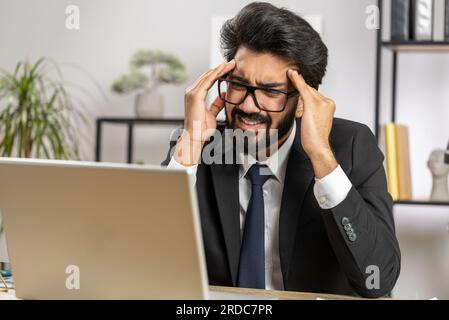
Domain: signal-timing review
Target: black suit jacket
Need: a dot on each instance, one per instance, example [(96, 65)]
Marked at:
[(316, 253)]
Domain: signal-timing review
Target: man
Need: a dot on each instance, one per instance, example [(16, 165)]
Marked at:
[(315, 215)]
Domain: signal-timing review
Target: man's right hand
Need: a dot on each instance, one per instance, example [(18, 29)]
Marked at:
[(200, 122)]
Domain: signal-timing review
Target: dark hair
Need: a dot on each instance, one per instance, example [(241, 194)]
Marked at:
[(262, 27)]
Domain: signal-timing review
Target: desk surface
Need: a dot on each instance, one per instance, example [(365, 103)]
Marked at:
[(282, 295)]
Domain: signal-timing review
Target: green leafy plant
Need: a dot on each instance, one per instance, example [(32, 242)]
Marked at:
[(164, 68), (37, 115)]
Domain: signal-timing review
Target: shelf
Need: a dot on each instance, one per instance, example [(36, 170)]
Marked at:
[(130, 123), (416, 46), (421, 203), (168, 121)]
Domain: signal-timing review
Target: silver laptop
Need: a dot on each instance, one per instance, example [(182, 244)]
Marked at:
[(79, 230)]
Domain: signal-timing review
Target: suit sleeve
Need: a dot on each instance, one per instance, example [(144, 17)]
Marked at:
[(361, 228)]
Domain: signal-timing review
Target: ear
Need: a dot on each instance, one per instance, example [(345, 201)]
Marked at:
[(299, 108)]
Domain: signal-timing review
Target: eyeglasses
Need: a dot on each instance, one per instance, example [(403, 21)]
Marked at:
[(270, 100)]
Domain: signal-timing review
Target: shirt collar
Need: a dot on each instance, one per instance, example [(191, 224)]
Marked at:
[(276, 163)]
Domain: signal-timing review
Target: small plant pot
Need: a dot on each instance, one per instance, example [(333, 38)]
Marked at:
[(149, 104)]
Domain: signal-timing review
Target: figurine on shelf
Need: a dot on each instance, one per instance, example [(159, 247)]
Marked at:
[(440, 172)]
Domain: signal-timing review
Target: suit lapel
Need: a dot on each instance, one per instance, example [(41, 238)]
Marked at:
[(226, 184), (298, 178)]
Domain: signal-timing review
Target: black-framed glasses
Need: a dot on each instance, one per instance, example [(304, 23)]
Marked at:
[(270, 100)]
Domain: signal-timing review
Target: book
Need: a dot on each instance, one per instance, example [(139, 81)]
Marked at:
[(403, 158), (422, 19), (438, 19), (446, 21), (397, 156), (400, 20), (391, 161)]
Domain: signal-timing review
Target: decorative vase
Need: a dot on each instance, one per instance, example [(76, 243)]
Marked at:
[(149, 104), (440, 172)]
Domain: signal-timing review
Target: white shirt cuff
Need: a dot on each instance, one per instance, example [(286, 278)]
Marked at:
[(332, 189), (176, 165)]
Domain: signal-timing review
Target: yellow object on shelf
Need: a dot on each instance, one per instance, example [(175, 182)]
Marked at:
[(398, 161)]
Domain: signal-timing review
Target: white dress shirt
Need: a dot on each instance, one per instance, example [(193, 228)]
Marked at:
[(329, 192)]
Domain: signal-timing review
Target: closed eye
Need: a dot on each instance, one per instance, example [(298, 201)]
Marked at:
[(273, 93)]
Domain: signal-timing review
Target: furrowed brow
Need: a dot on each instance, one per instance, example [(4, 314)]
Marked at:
[(271, 85), (238, 78)]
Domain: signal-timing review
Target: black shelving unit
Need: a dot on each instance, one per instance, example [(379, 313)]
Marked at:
[(397, 48), (130, 123), (422, 203)]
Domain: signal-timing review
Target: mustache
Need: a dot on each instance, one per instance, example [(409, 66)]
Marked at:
[(250, 116)]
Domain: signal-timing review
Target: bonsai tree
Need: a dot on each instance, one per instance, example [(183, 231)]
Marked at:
[(37, 116), (148, 69)]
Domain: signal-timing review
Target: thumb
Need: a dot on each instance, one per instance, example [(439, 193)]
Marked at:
[(217, 105), (300, 109)]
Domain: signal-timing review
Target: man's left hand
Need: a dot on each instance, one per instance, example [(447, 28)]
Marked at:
[(317, 113)]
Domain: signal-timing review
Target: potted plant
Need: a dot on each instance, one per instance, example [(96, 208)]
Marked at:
[(37, 116), (148, 70)]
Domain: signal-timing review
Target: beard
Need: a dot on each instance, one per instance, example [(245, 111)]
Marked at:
[(271, 136)]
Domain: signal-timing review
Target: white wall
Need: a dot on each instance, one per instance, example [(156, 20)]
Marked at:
[(112, 30)]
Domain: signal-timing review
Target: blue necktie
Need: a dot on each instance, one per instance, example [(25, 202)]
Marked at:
[(252, 252)]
